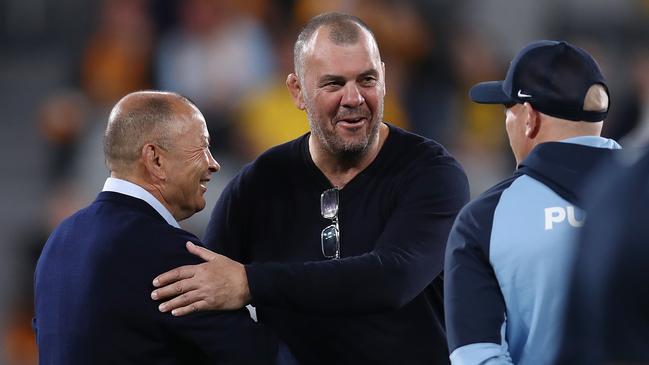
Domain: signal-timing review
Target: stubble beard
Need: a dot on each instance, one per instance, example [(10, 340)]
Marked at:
[(347, 151)]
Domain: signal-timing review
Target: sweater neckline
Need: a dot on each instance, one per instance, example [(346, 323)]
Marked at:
[(321, 180)]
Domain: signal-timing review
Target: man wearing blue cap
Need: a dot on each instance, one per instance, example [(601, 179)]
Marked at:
[(509, 253)]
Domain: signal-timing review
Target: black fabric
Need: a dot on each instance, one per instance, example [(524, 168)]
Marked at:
[(564, 167), (607, 317), (382, 302), (92, 295), (467, 265)]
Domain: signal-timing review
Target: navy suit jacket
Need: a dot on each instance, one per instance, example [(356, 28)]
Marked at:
[(92, 295)]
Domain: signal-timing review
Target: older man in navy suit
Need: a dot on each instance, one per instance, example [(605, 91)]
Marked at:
[(93, 278)]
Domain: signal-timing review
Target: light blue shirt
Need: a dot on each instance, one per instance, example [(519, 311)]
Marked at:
[(128, 188), (593, 141)]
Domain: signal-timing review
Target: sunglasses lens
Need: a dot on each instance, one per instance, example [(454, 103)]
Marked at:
[(329, 203), (330, 241)]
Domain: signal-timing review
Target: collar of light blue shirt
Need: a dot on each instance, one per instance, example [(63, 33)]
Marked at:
[(128, 188), (594, 141)]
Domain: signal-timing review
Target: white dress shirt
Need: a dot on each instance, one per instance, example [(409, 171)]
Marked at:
[(128, 188)]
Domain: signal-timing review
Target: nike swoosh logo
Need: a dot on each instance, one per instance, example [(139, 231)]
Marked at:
[(521, 95)]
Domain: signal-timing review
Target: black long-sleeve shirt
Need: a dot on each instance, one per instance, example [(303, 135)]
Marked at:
[(382, 302)]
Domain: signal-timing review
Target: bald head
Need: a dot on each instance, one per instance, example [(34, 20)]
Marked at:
[(139, 118), (556, 129), (343, 29)]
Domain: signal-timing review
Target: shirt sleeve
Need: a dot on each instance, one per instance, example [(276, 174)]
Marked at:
[(407, 257), (474, 305)]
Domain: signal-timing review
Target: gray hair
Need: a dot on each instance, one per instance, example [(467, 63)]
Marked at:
[(344, 30)]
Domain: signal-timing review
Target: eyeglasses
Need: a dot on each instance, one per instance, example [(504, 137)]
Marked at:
[(330, 236)]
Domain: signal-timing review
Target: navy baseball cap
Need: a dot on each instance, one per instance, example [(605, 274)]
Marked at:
[(552, 76)]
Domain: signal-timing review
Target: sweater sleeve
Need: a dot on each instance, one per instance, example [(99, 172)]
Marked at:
[(406, 258)]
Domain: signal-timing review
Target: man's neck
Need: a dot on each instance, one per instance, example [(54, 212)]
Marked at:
[(149, 187), (555, 129), (340, 171)]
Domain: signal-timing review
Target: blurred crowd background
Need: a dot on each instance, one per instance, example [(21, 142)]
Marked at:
[(63, 64)]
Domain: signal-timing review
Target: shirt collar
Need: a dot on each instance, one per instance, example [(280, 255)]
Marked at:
[(128, 188), (594, 141)]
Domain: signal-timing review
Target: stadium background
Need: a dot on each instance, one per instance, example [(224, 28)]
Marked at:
[(64, 63)]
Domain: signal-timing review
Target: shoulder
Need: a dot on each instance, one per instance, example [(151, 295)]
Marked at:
[(412, 143), (276, 161), (279, 156), (421, 163), (530, 205), (156, 234), (406, 150), (108, 233), (490, 198), (118, 215), (476, 218), (70, 224), (508, 196)]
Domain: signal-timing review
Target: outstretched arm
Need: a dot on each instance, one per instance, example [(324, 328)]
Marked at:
[(218, 283), (406, 258)]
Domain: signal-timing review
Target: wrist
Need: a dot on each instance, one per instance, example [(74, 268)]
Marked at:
[(245, 297)]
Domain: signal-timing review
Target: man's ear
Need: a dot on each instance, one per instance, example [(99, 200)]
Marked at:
[(295, 88), (532, 121), (154, 161)]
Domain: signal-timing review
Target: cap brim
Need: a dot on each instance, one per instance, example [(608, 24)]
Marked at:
[(490, 92)]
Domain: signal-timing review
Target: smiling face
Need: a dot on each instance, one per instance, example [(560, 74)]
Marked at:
[(342, 89), (189, 165)]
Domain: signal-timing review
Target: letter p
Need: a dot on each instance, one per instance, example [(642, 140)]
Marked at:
[(554, 215)]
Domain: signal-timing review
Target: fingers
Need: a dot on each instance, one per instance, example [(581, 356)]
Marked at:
[(218, 284), (199, 251), (174, 289), (179, 273), (192, 308), (184, 304), (184, 272)]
